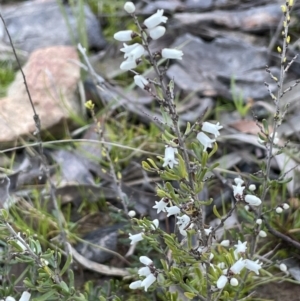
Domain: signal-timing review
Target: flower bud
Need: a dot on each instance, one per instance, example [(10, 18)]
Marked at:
[(135, 285), (131, 213), (283, 267), (252, 200), (222, 281), (262, 233), (259, 221), (124, 35), (285, 206), (252, 187), (128, 64), (234, 282), (279, 210), (156, 32), (225, 243), (174, 54), (25, 296), (129, 7)]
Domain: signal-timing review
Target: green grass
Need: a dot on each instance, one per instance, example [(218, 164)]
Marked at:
[(7, 75)]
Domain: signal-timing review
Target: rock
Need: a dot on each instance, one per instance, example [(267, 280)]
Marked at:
[(255, 19), (52, 79), (97, 240), (38, 24), (209, 67)]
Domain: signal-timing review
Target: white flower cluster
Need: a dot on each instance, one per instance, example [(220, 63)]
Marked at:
[(25, 297), (133, 53), (238, 192), (149, 271), (211, 129), (237, 267), (140, 236), (169, 158)]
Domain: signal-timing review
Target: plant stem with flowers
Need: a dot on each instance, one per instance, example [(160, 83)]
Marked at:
[(187, 163)]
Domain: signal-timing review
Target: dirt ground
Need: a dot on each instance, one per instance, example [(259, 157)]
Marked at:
[(283, 291)]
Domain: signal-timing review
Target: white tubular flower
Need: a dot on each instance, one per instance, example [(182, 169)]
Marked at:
[(146, 260), (241, 247), (183, 221), (149, 280), (9, 298), (155, 224), (135, 285), (169, 158), (133, 52), (252, 187), (205, 140), (161, 205), (156, 32), (128, 65), (225, 243), (262, 233), (253, 266), (221, 265), (252, 200), (222, 281), (25, 296), (135, 238), (238, 266), (140, 81), (208, 231), (145, 271), (172, 210), (238, 190), (283, 267), (279, 210), (155, 19), (234, 282), (129, 7), (212, 128), (285, 206), (124, 35), (174, 54)]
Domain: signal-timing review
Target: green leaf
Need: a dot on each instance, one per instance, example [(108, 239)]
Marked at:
[(265, 126), (64, 286), (4, 213), (46, 296), (197, 150), (190, 295), (181, 168), (284, 181), (66, 265), (169, 175), (146, 166), (28, 283), (215, 148), (206, 203), (216, 213), (188, 128), (152, 163), (71, 278), (204, 159)]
